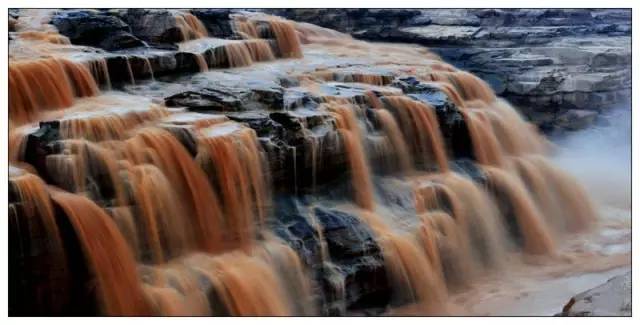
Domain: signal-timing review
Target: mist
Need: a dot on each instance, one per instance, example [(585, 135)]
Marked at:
[(601, 158)]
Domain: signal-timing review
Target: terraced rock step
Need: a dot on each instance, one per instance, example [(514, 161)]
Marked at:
[(545, 61), (232, 163)]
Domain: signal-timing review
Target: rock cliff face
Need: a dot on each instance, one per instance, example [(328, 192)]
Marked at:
[(561, 68)]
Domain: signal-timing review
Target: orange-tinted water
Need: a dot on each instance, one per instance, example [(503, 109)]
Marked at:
[(44, 84), (421, 130), (108, 256), (288, 42), (230, 154), (168, 231)]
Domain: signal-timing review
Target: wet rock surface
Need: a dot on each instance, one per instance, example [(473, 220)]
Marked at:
[(545, 61), (157, 26), (304, 152), (349, 269), (227, 91), (612, 298), (95, 28), (217, 21), (118, 29)]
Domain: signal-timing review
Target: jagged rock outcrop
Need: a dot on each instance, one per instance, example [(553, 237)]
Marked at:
[(350, 268), (547, 62), (155, 25), (350, 272), (119, 29), (229, 92), (217, 21), (612, 298), (95, 28)]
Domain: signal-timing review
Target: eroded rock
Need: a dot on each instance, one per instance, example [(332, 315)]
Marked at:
[(612, 298), (545, 61), (95, 28)]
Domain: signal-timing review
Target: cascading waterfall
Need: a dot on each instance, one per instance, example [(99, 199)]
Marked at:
[(47, 36), (100, 72), (412, 273), (529, 221), (198, 202), (166, 211), (190, 26), (260, 50), (35, 225), (238, 55), (246, 27), (100, 118), (394, 135), (164, 232), (230, 155), (421, 130), (46, 84), (35, 85), (468, 86), (118, 286), (464, 201), (285, 34)]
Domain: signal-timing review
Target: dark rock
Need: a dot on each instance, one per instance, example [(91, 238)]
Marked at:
[(345, 238), (222, 91), (131, 66), (187, 62), (353, 277), (154, 25), (95, 29), (353, 248), (261, 122), (217, 21), (118, 69), (303, 148), (120, 40), (205, 100), (41, 143)]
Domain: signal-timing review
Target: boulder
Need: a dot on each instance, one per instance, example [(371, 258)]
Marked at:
[(154, 25), (612, 298), (95, 28), (352, 276), (217, 21)]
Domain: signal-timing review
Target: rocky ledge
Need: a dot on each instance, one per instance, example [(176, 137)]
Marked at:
[(612, 298), (305, 157), (562, 68)]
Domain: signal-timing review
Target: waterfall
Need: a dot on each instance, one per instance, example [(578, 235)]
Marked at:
[(121, 205), (46, 84)]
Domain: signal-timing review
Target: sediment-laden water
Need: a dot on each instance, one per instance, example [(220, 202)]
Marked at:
[(286, 170)]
